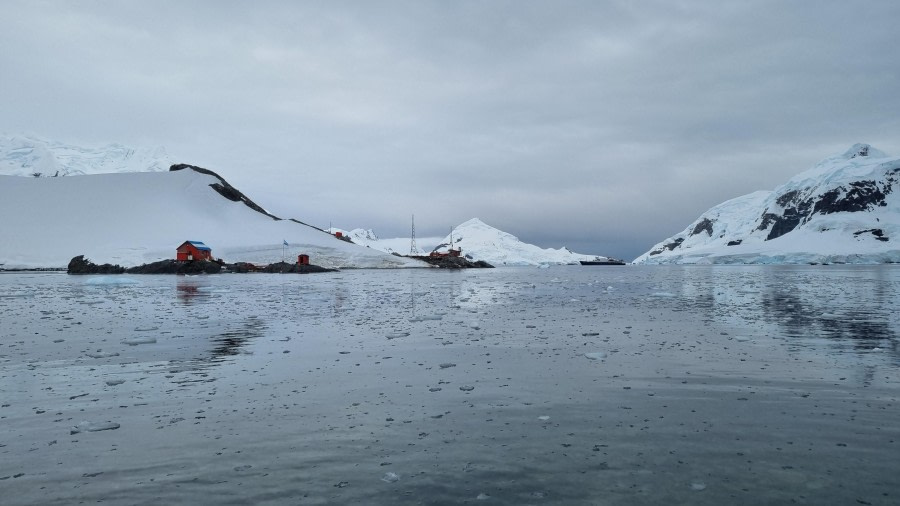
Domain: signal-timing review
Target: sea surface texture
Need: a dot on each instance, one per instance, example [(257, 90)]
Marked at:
[(568, 385)]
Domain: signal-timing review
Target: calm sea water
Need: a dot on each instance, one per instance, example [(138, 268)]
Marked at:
[(567, 385)]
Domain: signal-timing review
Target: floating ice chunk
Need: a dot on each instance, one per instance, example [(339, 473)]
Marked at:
[(662, 294), (134, 341), (482, 496), (113, 383), (390, 477), (698, 486), (93, 427), (467, 388), (741, 338), (543, 418), (445, 365), (595, 355), (397, 335), (111, 281), (102, 354), (474, 324)]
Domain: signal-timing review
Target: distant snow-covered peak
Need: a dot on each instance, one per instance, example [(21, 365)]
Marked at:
[(480, 241), (852, 163), (29, 155), (860, 149)]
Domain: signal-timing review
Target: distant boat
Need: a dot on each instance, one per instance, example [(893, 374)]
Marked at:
[(602, 261)]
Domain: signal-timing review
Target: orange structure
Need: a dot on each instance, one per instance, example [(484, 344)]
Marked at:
[(193, 250), (302, 259)]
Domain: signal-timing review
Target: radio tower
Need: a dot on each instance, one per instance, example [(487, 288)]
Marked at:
[(413, 250)]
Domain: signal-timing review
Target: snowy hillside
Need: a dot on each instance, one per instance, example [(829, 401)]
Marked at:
[(845, 209), (400, 245), (480, 241), (36, 157), (141, 217)]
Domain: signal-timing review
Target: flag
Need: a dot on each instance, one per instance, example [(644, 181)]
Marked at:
[(285, 242)]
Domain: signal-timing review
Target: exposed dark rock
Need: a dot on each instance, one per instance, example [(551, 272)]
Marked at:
[(241, 267), (454, 262), (706, 225), (81, 265), (175, 267), (789, 220), (787, 198), (876, 232), (765, 220), (862, 151), (735, 242), (293, 268), (672, 245), (862, 196)]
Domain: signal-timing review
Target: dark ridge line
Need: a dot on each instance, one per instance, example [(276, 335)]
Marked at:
[(233, 194), (224, 189)]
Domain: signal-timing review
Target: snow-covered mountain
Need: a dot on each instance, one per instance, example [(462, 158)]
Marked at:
[(23, 155), (845, 209), (480, 241), (134, 218), (477, 240)]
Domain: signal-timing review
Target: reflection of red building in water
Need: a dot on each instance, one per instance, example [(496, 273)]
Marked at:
[(193, 250)]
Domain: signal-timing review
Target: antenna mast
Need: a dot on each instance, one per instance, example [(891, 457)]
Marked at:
[(413, 250)]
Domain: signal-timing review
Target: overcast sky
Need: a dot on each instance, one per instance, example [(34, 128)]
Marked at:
[(605, 126)]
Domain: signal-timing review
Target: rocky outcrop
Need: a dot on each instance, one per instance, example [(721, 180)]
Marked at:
[(284, 267), (81, 265), (448, 262), (175, 267)]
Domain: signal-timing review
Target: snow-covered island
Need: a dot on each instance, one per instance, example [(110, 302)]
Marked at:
[(478, 241), (845, 209)]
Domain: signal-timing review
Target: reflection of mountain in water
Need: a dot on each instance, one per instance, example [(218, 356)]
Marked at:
[(851, 310), (232, 341), (226, 344)]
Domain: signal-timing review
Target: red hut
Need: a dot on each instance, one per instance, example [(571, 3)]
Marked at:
[(193, 250), (302, 259)]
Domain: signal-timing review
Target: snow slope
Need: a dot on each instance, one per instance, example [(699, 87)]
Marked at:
[(133, 218), (400, 245), (845, 209), (480, 241), (23, 155)]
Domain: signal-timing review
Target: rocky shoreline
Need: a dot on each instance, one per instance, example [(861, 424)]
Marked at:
[(448, 262), (81, 265)]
